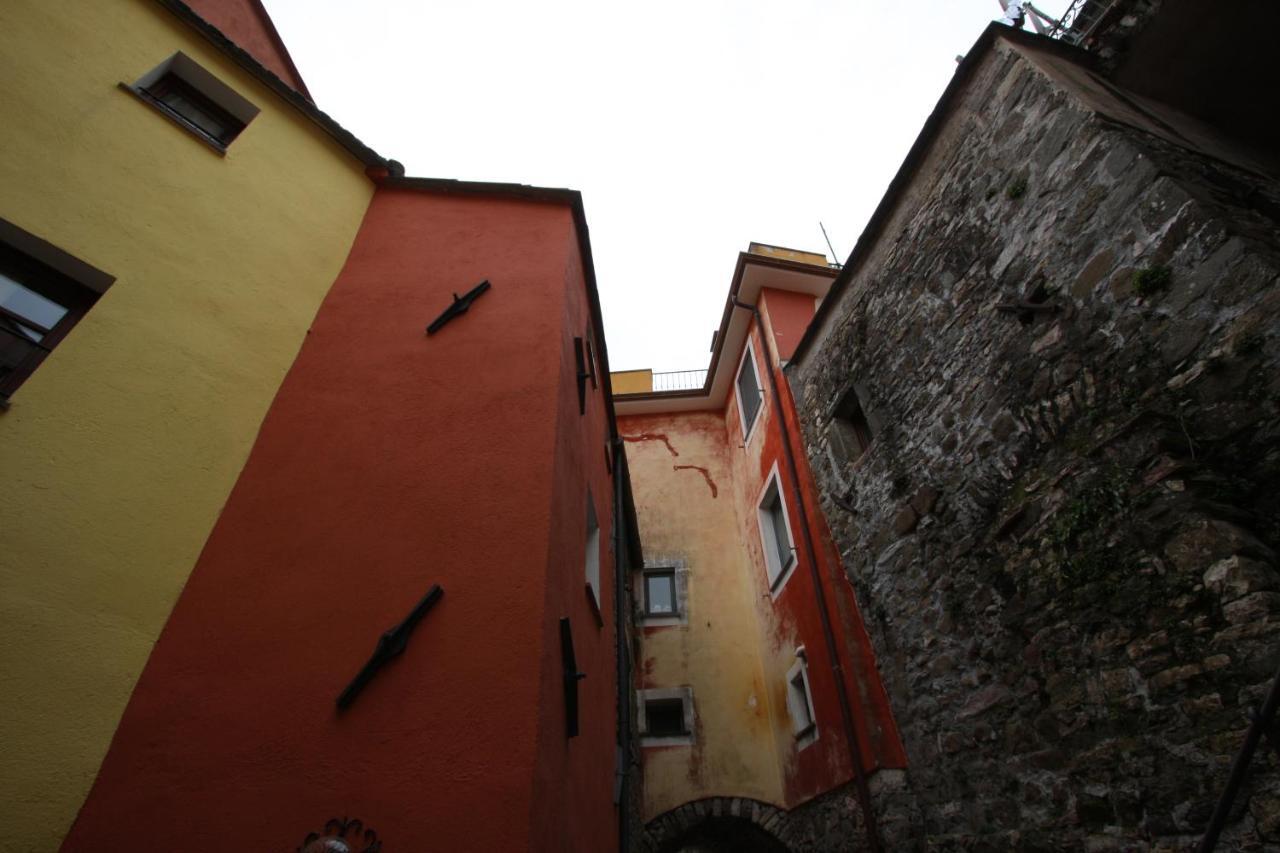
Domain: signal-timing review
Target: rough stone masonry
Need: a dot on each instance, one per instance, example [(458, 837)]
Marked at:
[(1063, 534)]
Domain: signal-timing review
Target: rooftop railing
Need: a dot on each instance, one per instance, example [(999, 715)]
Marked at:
[(679, 380)]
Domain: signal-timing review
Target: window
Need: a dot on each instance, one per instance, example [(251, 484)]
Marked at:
[(592, 569), (749, 395), (849, 434), (665, 716), (195, 100), (660, 592), (804, 724), (775, 531), (591, 361), (40, 301)]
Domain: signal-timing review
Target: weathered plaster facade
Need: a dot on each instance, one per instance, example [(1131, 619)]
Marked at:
[(1063, 533), (701, 467)]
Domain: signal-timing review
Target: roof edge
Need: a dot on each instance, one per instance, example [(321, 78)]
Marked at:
[(274, 34), (744, 258), (302, 103), (917, 154)]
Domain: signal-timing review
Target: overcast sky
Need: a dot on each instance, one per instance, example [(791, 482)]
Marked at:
[(691, 128)]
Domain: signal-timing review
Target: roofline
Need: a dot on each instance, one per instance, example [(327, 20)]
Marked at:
[(300, 102), (744, 258), (573, 200), (274, 35), (919, 151)]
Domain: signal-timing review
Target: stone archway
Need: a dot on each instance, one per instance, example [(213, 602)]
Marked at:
[(718, 825)]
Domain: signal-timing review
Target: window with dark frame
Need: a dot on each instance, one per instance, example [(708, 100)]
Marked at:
[(660, 593), (849, 433), (194, 99), (664, 718), (38, 306), (749, 396), (191, 107)]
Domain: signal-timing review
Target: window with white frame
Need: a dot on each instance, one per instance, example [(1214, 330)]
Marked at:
[(804, 724), (749, 395), (775, 531), (592, 569), (665, 716)]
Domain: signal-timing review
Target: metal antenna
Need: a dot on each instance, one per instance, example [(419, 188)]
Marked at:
[(834, 256)]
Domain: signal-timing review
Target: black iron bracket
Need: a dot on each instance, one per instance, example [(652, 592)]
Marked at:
[(571, 679), (391, 644), (459, 306)]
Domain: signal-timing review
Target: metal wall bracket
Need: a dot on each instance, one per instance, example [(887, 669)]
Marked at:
[(459, 306), (391, 644)]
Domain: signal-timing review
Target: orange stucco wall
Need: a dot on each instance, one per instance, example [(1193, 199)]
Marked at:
[(389, 462)]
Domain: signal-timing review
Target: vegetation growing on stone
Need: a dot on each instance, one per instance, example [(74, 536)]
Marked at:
[(1016, 190), (1151, 280)]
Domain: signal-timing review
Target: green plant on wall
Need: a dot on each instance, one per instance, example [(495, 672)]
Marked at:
[(1151, 280)]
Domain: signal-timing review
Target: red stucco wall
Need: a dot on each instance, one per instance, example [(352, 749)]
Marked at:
[(391, 461), (247, 23), (796, 617)]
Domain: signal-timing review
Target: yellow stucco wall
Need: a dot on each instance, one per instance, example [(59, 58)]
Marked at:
[(631, 381), (118, 453), (717, 652)]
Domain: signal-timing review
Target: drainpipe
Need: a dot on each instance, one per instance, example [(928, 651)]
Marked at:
[(846, 712), (622, 667)]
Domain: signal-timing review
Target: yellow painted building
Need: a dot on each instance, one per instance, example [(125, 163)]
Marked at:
[(747, 626), (120, 449)]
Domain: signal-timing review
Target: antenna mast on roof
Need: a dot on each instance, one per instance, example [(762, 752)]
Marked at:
[(1016, 13), (835, 259)]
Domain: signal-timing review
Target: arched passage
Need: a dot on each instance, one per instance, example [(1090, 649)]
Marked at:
[(718, 825)]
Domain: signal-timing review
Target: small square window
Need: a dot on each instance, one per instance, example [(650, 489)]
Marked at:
[(775, 531), (38, 303), (665, 716), (660, 592), (800, 703), (749, 394), (195, 100)]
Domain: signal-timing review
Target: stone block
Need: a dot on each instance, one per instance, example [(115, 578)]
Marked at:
[(1255, 607), (1236, 577)]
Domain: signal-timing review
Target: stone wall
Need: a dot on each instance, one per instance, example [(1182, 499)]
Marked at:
[(1062, 536)]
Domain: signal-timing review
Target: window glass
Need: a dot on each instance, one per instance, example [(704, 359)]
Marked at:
[(781, 537), (20, 304), (592, 569), (801, 712), (748, 392), (664, 718), (660, 592), (38, 306)]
